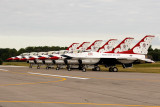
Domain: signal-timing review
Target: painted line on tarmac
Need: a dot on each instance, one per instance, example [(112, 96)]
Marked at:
[(61, 79), (3, 70), (58, 76), (69, 103)]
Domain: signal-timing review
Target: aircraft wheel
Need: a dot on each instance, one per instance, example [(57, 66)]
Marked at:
[(110, 69), (69, 69), (97, 68), (38, 67), (115, 69), (57, 68), (84, 69)]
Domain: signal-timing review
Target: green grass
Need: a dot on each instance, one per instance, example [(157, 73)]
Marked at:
[(16, 63), (143, 68)]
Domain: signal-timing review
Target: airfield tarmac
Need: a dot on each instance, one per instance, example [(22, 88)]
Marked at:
[(25, 87)]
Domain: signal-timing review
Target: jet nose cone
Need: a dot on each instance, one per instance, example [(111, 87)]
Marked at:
[(54, 58), (42, 58)]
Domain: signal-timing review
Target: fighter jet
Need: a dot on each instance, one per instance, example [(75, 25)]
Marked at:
[(126, 58), (107, 47)]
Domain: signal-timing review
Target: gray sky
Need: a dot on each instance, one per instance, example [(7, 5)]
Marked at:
[(60, 22)]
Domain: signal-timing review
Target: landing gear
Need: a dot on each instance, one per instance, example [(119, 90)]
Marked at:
[(57, 68), (38, 67), (113, 69), (83, 69), (69, 68), (30, 66), (96, 68), (47, 67), (80, 67)]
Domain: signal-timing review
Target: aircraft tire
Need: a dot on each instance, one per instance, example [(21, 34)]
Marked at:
[(57, 68), (97, 68), (69, 69), (83, 69), (38, 67), (114, 69), (110, 69)]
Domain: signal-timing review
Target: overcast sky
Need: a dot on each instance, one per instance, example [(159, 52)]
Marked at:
[(61, 22)]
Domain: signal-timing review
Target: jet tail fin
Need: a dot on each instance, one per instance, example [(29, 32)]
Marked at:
[(72, 47), (142, 46), (94, 46), (108, 46), (83, 46), (123, 46)]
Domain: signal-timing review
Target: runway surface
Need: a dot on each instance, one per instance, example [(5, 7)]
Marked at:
[(25, 87)]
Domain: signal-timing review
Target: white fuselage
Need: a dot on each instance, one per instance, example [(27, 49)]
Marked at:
[(96, 56)]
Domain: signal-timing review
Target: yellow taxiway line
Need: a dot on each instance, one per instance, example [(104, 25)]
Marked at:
[(78, 103)]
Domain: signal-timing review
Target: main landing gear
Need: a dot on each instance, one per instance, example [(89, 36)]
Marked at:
[(96, 68), (68, 67), (113, 69), (30, 66)]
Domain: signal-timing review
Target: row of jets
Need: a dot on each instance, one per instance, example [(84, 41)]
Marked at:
[(85, 56)]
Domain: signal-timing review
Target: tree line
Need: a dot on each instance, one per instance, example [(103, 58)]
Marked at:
[(7, 53)]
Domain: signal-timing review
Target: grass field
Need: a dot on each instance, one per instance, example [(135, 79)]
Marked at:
[(143, 68), (16, 63)]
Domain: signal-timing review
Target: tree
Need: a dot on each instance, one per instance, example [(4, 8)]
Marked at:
[(1, 62)]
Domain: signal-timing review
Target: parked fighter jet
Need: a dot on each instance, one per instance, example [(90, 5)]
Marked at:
[(92, 63), (59, 58), (77, 63), (47, 58), (62, 59), (126, 58), (19, 57)]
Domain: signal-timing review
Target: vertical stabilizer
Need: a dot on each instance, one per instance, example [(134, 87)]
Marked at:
[(108, 46), (142, 46), (83, 46), (73, 47), (123, 46), (94, 46)]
